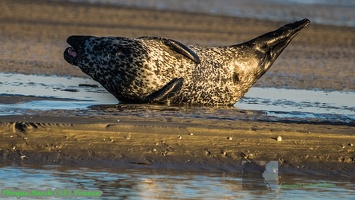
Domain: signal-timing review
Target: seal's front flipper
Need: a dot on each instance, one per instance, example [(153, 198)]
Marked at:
[(183, 49), (178, 47), (166, 92)]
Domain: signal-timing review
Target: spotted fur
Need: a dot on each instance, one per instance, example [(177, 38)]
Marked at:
[(156, 70)]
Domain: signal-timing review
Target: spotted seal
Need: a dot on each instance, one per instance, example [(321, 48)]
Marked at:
[(159, 70)]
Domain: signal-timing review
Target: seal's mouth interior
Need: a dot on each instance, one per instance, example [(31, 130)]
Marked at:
[(70, 51), (70, 55)]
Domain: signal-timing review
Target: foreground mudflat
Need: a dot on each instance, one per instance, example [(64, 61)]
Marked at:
[(190, 144)]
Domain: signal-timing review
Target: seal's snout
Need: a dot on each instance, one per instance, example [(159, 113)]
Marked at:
[(76, 43)]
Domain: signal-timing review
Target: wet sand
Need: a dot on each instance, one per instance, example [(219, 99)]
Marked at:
[(174, 143), (33, 36)]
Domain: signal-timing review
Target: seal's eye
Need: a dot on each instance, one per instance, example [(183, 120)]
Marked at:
[(235, 78)]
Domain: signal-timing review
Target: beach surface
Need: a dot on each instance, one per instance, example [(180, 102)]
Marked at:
[(33, 37)]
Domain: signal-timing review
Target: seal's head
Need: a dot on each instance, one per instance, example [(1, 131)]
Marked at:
[(100, 57), (109, 61)]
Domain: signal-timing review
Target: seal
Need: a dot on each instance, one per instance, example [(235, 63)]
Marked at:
[(161, 70)]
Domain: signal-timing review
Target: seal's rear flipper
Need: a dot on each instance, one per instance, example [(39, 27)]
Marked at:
[(273, 43), (266, 48), (178, 47), (166, 92)]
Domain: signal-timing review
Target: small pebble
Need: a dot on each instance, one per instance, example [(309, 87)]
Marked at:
[(351, 144), (191, 134), (180, 137), (279, 138)]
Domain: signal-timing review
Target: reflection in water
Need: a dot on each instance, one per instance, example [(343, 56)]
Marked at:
[(261, 175), (150, 184), (130, 184)]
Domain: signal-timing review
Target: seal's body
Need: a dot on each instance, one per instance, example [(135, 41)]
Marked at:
[(157, 70)]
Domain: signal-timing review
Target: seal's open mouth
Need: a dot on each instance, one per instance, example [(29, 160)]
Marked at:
[(71, 52), (70, 55)]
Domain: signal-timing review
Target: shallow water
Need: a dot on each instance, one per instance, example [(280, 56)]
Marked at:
[(150, 184), (306, 104), (45, 93), (329, 12)]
